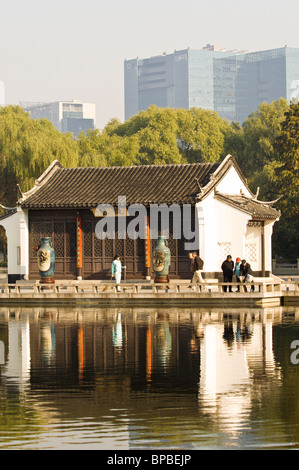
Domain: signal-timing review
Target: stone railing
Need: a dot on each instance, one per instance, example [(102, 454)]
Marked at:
[(85, 288), (285, 268)]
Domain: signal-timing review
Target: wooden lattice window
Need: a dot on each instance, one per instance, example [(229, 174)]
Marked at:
[(58, 239), (224, 249), (251, 252)]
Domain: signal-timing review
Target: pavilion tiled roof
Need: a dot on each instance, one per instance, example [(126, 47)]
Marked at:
[(88, 187)]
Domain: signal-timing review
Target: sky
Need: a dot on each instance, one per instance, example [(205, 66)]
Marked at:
[(70, 49)]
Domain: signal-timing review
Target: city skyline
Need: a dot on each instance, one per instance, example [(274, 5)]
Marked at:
[(232, 83), (63, 51)]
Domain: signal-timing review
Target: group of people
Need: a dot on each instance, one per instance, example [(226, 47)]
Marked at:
[(242, 270)]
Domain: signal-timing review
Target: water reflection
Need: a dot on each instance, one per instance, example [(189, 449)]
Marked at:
[(139, 378)]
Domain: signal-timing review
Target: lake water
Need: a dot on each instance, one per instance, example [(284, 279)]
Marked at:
[(123, 379)]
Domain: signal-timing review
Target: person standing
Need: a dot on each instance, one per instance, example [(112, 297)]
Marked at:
[(246, 273), (237, 271), (116, 269), (197, 269), (191, 258), (228, 271)]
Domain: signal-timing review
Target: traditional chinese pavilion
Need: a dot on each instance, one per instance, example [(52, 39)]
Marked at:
[(63, 205)]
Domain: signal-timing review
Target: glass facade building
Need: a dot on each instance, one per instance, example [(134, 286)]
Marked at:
[(232, 83), (66, 116)]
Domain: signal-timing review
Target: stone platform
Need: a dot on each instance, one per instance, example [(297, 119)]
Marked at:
[(266, 292)]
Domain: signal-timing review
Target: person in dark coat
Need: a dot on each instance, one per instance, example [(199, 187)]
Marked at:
[(246, 273), (197, 269), (228, 271)]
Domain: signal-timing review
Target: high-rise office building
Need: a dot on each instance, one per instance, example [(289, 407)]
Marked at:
[(233, 83), (66, 116)]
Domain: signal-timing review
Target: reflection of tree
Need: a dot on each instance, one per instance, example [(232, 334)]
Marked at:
[(288, 404)]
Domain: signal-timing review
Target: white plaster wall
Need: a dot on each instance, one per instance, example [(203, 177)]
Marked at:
[(220, 223), (268, 230), (24, 244), (253, 236), (232, 184), (17, 233)]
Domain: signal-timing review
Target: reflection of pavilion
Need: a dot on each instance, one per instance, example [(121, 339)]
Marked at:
[(213, 360), (228, 350), (17, 367), (232, 356)]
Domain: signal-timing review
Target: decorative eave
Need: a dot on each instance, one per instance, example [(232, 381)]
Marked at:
[(258, 210), (46, 175), (9, 213)]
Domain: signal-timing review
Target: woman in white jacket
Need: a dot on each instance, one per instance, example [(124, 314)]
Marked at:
[(116, 268)]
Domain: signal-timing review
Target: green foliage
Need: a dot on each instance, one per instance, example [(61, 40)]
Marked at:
[(155, 133), (201, 135), (27, 148), (266, 147), (287, 184), (175, 136), (287, 148), (3, 242), (260, 131)]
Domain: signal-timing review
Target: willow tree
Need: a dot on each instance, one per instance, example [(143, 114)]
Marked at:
[(156, 132), (27, 147), (100, 148), (201, 135), (175, 136)]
